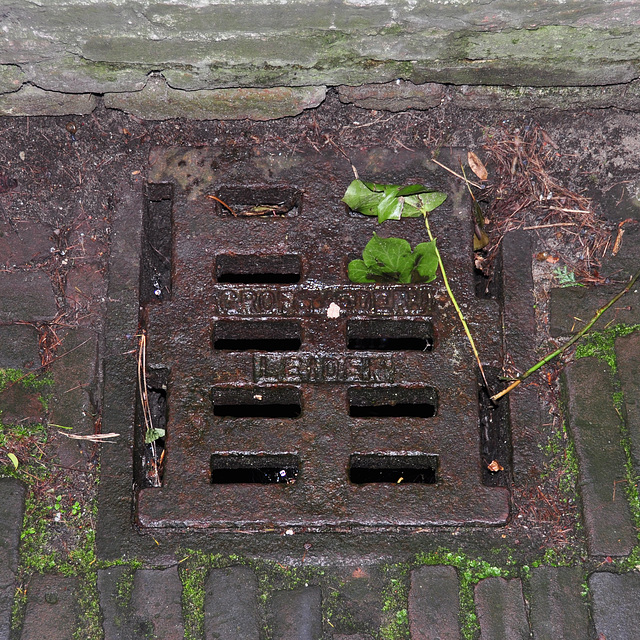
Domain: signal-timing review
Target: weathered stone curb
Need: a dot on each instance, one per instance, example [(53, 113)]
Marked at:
[(160, 97), (158, 101)]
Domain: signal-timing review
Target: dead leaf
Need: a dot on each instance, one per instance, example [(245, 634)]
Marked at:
[(98, 437), (476, 165), (495, 466), (480, 242)]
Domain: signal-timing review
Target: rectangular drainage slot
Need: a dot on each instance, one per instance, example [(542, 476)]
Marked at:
[(389, 335), (393, 469), (393, 402), (259, 335), (252, 269), (261, 468), (259, 201), (257, 402)]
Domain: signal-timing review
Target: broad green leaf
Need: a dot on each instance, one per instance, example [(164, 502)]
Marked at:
[(391, 201), (359, 197), (429, 201), (391, 256), (14, 459), (412, 189), (153, 434), (426, 260), (359, 272), (390, 208)]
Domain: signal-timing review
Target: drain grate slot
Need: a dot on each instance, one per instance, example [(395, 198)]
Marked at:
[(261, 468), (252, 269), (257, 402), (389, 335), (258, 335), (259, 201), (393, 469), (393, 402), (155, 271)]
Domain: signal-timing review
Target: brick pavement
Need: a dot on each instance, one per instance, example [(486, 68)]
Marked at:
[(574, 603)]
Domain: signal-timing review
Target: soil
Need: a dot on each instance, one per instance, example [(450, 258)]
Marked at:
[(62, 176)]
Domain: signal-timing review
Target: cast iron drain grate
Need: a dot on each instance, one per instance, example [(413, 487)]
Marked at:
[(294, 397)]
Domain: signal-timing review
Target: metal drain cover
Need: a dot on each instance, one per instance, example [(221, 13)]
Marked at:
[(293, 397)]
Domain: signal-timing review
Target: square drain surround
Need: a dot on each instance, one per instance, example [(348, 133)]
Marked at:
[(277, 412)]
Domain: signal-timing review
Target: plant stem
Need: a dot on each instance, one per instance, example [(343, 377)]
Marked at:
[(565, 346), (455, 303)]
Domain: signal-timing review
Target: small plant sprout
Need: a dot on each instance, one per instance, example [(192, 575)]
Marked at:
[(392, 256)]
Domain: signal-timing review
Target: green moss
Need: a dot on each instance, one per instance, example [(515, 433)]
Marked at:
[(601, 344), (395, 624), (31, 381)]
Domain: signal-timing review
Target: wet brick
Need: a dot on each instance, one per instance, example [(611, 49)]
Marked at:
[(24, 242), (434, 604), (74, 380), (565, 305), (85, 290), (557, 608), (19, 348), (616, 613), (501, 611), (52, 611), (12, 495), (297, 614), (157, 604), (231, 605), (26, 297), (595, 427), (628, 359), (19, 403), (115, 620)]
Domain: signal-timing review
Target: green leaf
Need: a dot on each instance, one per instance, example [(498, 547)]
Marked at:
[(391, 201), (427, 260), (389, 256), (431, 200), (14, 459), (360, 197), (153, 434), (359, 272), (390, 207), (412, 189)]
